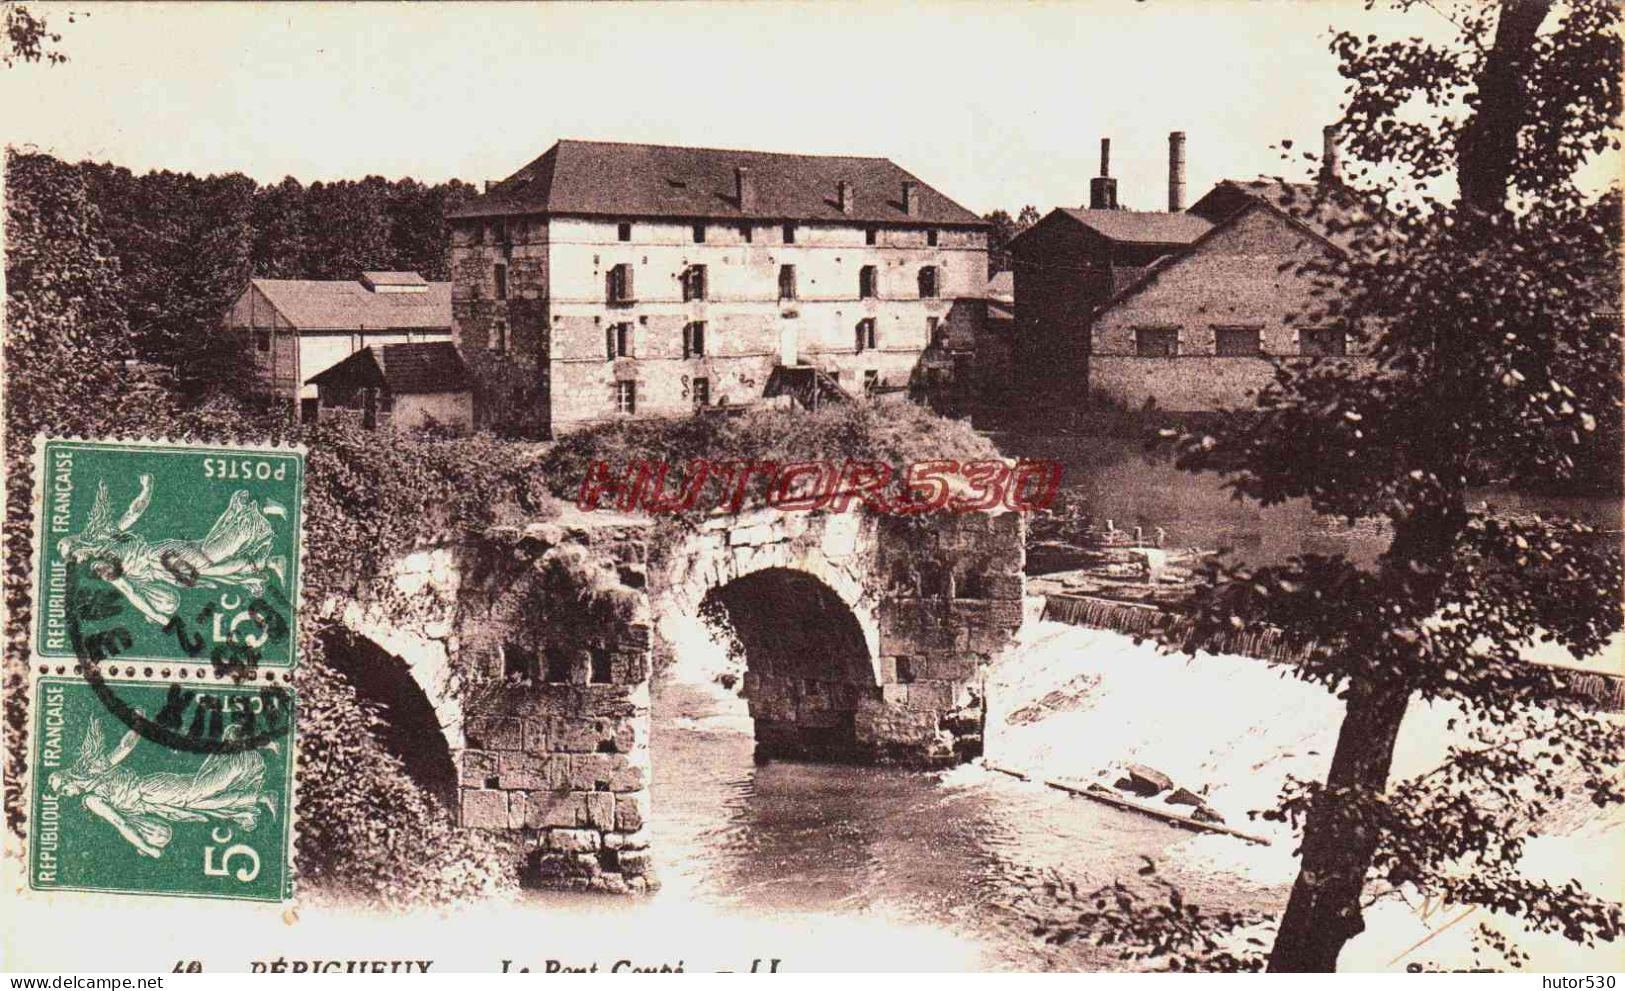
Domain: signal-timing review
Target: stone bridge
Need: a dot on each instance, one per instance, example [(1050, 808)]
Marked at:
[(516, 667)]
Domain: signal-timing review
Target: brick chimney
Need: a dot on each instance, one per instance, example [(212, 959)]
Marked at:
[(1329, 163), (1103, 188), (744, 189), (911, 203), (843, 195), (1176, 172)]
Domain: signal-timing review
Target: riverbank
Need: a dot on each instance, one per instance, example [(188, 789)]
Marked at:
[(1076, 704)]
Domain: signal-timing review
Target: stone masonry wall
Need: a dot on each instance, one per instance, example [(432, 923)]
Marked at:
[(952, 603), (555, 628)]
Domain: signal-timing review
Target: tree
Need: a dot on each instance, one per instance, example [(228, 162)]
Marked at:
[(1481, 317), (1004, 231)]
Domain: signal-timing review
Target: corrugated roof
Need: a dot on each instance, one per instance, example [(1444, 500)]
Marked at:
[(316, 305), (405, 369), (631, 180), (1133, 227)]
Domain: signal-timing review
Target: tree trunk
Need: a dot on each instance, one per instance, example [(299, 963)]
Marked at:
[(1488, 149), (1338, 844)]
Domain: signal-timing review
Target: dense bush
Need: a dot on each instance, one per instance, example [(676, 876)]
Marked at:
[(898, 434)]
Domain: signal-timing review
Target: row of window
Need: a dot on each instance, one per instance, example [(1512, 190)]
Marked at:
[(1239, 342), (618, 286), (498, 233), (699, 390), (787, 233), (618, 337)]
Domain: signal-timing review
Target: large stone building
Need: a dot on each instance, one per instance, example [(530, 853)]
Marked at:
[(299, 328), (611, 280), (1176, 310)]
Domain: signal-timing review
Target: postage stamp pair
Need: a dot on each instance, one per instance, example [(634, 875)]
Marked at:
[(162, 744)]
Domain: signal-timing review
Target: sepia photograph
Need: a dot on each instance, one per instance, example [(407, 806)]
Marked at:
[(784, 487)]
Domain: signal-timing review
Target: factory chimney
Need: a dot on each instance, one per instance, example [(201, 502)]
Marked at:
[(1103, 188), (1176, 172), (1329, 164)]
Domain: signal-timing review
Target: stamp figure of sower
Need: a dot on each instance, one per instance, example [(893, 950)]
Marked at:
[(168, 552), (142, 807), (161, 812), (236, 551)]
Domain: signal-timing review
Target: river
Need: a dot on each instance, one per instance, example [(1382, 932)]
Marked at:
[(897, 850)]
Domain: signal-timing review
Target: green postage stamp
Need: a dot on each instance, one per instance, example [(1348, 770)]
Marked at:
[(153, 788), (166, 552)]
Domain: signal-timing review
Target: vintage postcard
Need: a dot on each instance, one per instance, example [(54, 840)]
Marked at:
[(955, 486)]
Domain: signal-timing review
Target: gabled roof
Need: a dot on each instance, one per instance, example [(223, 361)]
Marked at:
[(309, 304), (404, 369), (1330, 211), (601, 178), (1002, 286), (1166, 262), (1133, 227)]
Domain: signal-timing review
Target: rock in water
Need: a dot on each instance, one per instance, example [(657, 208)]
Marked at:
[(1147, 781), (1183, 796), (1205, 813)]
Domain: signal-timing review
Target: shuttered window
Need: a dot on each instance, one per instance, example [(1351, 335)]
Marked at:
[(868, 276), (694, 339), (618, 341), (618, 284), (693, 280)]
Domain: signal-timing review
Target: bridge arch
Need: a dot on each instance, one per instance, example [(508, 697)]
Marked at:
[(808, 666), (409, 728)]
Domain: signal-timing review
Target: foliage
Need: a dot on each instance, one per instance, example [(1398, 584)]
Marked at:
[(897, 434), (366, 831), (188, 246), (30, 39), (1480, 317), (1004, 231), (373, 494), (1148, 921)]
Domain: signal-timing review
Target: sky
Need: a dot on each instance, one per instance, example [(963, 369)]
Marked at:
[(996, 105)]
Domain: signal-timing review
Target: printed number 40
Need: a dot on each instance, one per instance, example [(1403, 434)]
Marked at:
[(244, 874)]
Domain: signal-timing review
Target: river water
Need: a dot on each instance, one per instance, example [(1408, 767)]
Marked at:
[(895, 850)]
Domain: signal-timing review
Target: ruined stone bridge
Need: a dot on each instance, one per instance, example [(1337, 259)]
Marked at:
[(516, 667)]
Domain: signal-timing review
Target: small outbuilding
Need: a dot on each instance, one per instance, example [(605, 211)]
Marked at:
[(401, 386)]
